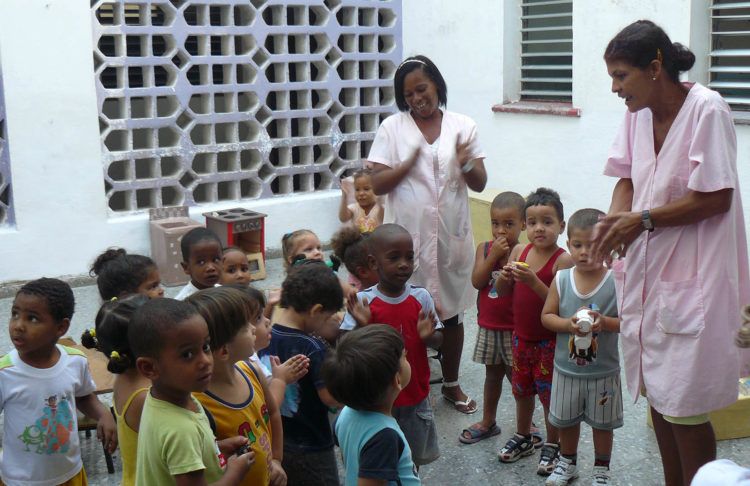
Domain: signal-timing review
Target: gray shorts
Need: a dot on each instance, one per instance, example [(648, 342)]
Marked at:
[(417, 422), (598, 401)]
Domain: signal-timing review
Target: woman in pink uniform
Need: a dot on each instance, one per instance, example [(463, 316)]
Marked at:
[(676, 213), (424, 159)]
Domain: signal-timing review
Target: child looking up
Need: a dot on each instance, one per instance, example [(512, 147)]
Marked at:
[(41, 385), (586, 382), (411, 311), (367, 372), (350, 246), (310, 295), (130, 387), (366, 214), (495, 313), (237, 400), (119, 273), (175, 441), (528, 276), (235, 267), (201, 259)]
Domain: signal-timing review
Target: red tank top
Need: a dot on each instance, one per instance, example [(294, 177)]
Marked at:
[(527, 305), (494, 311)]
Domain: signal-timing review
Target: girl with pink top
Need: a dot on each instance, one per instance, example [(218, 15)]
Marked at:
[(676, 218)]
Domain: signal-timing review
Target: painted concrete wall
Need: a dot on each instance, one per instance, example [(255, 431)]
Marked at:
[(61, 215)]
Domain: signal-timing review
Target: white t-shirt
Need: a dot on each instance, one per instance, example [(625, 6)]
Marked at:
[(188, 290), (40, 429)]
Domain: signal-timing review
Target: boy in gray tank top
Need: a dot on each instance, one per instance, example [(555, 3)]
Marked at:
[(586, 379)]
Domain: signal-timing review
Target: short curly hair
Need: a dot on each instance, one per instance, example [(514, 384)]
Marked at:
[(59, 296), (307, 285)]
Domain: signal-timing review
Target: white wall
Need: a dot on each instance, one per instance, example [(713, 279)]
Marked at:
[(467, 42)]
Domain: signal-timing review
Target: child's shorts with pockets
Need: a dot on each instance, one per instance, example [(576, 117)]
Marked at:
[(597, 401)]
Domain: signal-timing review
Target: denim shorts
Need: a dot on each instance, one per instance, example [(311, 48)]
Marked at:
[(316, 468), (417, 422)]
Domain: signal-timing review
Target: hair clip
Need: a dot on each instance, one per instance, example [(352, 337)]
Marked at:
[(92, 332), (286, 235), (658, 55), (114, 355), (113, 299), (411, 60)]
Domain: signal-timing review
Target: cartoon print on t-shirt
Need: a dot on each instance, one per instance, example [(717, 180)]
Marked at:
[(51, 432), (583, 357)]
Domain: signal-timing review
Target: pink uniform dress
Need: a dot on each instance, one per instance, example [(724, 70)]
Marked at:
[(432, 203), (682, 287)]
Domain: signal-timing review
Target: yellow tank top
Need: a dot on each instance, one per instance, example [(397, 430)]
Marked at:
[(128, 441), (249, 419)]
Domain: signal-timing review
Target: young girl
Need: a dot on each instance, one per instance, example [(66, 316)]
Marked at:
[(119, 273), (350, 246), (111, 338), (236, 267), (237, 400), (300, 244), (366, 214)]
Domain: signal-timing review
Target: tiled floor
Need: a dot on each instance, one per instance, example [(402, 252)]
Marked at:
[(635, 459)]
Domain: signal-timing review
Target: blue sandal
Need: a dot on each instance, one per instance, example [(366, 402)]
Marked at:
[(475, 433)]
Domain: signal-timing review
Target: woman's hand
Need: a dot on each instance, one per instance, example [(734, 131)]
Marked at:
[(614, 233)]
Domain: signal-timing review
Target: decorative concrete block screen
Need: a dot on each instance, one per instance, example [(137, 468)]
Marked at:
[(6, 207), (208, 101)]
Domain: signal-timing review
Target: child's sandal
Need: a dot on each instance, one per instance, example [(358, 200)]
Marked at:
[(517, 447)]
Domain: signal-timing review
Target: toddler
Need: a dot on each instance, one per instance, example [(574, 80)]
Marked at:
[(586, 381), (367, 372), (119, 273), (171, 343), (301, 244), (201, 259), (236, 399), (110, 337), (527, 276), (495, 312), (41, 385), (310, 295), (235, 267), (411, 311), (366, 214), (350, 246)]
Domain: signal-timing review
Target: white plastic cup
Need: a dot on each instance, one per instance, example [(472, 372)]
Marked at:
[(585, 322)]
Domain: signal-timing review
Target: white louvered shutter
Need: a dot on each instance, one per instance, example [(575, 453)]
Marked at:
[(730, 53)]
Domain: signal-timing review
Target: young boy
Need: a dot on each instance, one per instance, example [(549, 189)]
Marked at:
[(367, 372), (411, 311), (528, 276), (310, 295), (586, 383), (201, 259), (41, 385), (175, 441), (495, 313)]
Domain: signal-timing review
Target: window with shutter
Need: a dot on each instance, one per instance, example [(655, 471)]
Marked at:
[(729, 73)]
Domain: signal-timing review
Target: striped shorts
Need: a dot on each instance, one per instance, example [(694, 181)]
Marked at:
[(494, 347), (598, 401)]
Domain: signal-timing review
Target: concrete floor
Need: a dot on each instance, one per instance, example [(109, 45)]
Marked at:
[(635, 460)]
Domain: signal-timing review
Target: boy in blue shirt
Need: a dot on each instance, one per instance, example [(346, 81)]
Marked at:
[(367, 372)]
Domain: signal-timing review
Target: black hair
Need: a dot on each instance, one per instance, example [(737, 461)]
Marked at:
[(119, 273), (509, 199), (379, 237), (350, 246), (583, 219), (232, 248), (195, 236), (307, 285), (151, 320), (111, 333), (429, 69), (59, 296), (643, 41), (287, 243), (226, 311), (362, 366), (545, 197)]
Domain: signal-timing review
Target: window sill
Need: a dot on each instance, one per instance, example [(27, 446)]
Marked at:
[(539, 108), (741, 118)]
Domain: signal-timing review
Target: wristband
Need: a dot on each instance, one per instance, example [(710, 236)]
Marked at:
[(469, 166)]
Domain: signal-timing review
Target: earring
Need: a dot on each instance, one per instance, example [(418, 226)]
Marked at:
[(654, 78)]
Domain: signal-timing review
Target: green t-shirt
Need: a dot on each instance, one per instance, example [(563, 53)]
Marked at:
[(172, 441)]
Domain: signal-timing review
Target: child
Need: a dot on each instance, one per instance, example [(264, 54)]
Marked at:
[(350, 246), (119, 273), (237, 400), (366, 214), (201, 259), (235, 268), (495, 313), (367, 372), (175, 442), (41, 385), (300, 244), (586, 383), (411, 311), (130, 387), (310, 295), (528, 277)]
